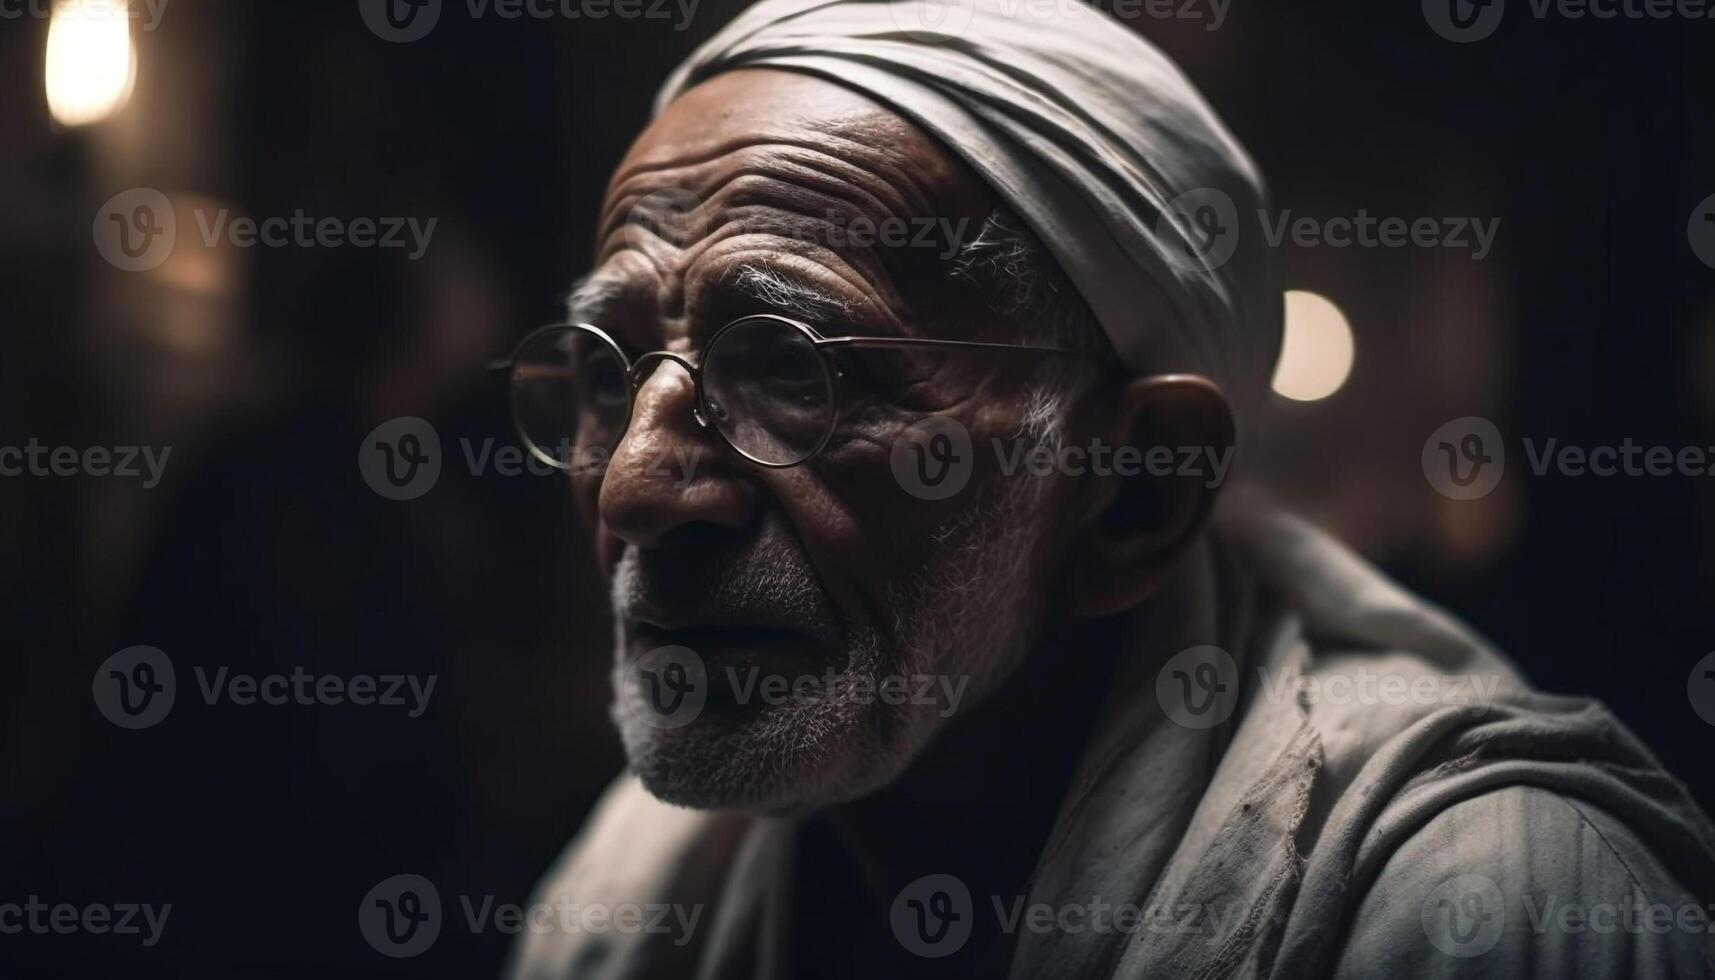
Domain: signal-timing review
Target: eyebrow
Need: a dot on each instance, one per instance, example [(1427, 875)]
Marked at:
[(781, 291), (589, 294), (786, 293)]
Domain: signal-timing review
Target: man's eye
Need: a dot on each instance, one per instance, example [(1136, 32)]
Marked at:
[(883, 372), (797, 384), (607, 389)]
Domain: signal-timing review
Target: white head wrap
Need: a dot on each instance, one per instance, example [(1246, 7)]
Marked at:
[(1086, 131)]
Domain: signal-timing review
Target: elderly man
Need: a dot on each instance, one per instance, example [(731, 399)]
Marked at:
[(895, 703)]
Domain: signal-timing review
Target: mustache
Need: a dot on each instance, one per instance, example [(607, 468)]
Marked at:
[(765, 580)]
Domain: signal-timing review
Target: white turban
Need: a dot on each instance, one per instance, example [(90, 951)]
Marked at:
[(1086, 131)]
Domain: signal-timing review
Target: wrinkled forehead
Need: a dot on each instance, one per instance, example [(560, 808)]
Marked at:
[(783, 139), (760, 107), (792, 175)]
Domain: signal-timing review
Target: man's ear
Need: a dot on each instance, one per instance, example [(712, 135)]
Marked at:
[(1174, 437)]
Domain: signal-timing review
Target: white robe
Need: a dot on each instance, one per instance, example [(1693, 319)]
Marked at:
[(1324, 843)]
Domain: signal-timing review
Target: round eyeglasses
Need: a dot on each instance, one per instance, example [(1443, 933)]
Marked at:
[(768, 384)]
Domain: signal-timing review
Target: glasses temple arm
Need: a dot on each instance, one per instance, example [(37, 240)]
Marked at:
[(932, 343)]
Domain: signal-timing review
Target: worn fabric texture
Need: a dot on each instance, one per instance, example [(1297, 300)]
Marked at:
[(1319, 831)]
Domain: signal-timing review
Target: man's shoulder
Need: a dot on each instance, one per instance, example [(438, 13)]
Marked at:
[(1524, 881), (629, 844), (634, 856)]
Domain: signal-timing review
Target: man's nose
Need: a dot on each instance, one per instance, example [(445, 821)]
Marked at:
[(669, 472)]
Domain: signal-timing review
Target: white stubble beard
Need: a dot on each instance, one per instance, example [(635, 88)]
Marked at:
[(970, 614)]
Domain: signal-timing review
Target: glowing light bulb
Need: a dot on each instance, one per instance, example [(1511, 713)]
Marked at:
[(1317, 350), (91, 62)]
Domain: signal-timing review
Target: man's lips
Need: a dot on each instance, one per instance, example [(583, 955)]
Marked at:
[(749, 606), (722, 621)]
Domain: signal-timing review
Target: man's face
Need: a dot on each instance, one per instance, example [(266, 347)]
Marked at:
[(747, 195)]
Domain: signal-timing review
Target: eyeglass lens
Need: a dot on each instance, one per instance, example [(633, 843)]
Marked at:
[(766, 389)]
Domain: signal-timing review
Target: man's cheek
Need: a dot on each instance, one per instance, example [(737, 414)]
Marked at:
[(902, 479), (827, 503)]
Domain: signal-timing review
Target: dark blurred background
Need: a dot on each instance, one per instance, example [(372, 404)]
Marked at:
[(1591, 320)]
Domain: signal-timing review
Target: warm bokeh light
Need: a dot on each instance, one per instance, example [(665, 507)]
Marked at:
[(1316, 352), (91, 63)]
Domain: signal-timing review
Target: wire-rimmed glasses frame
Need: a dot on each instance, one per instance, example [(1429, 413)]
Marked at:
[(708, 412)]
